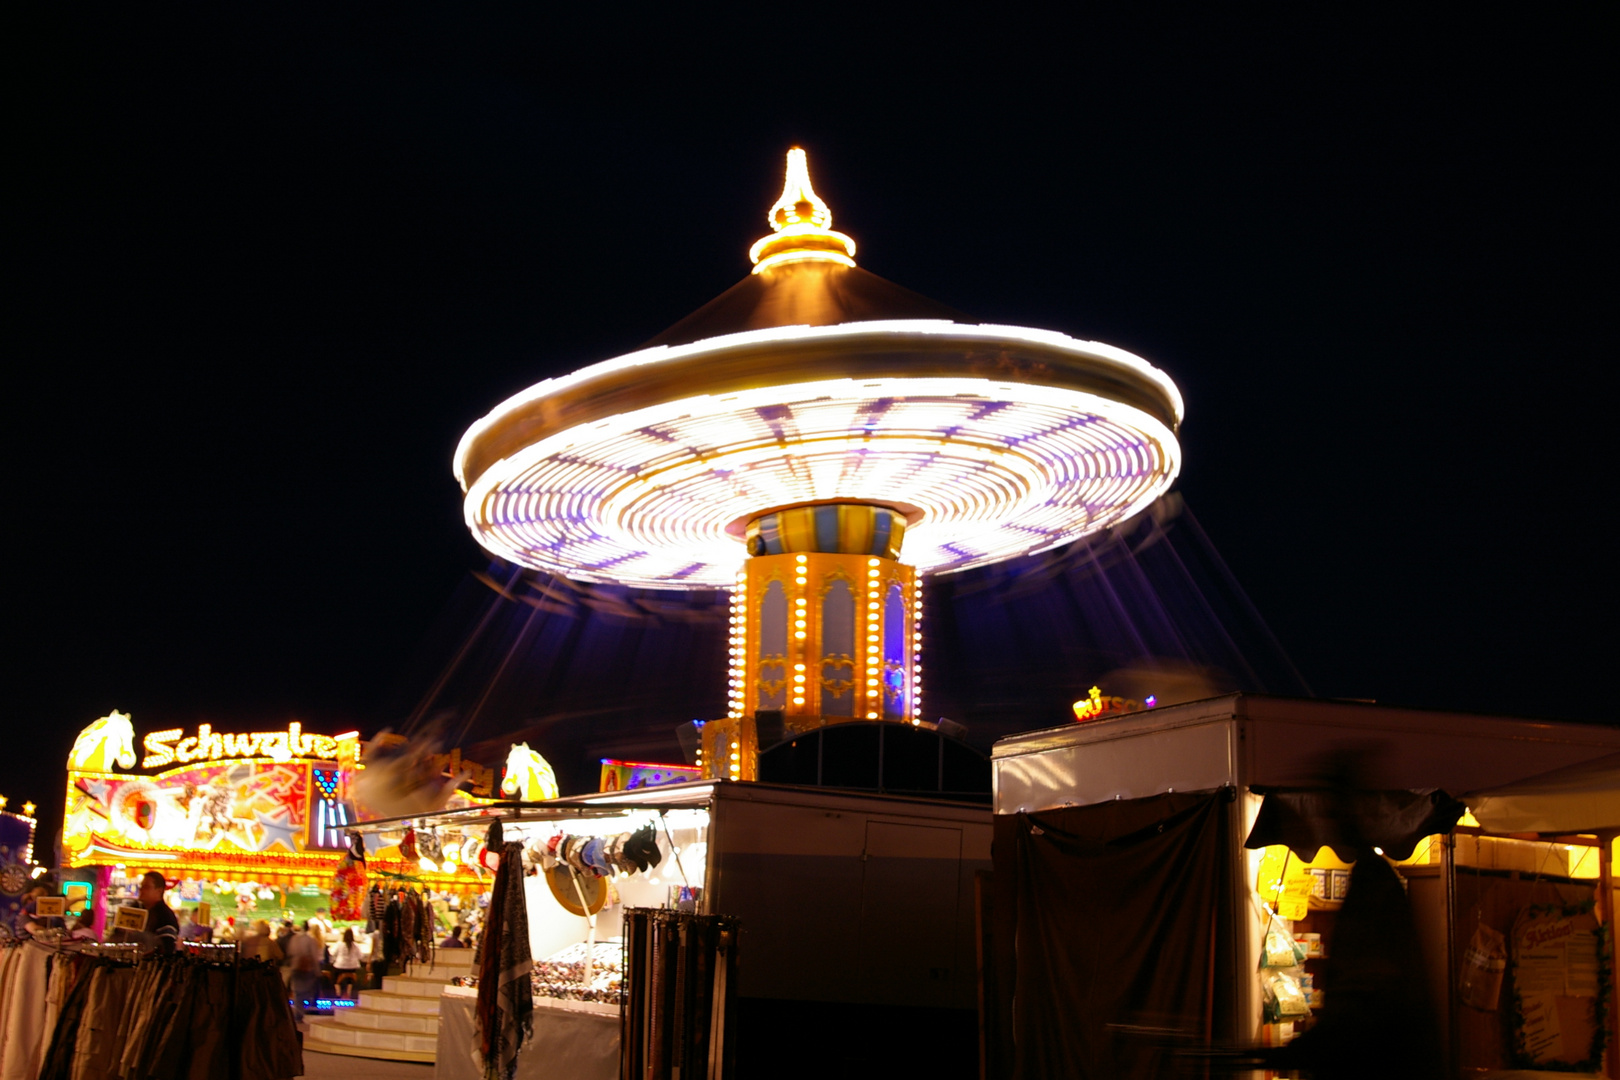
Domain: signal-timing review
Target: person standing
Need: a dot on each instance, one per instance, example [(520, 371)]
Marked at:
[(284, 936), (162, 927), (346, 963), (304, 955), (258, 944), (454, 941), (195, 929)]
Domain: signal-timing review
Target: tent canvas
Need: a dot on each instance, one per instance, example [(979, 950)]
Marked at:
[(1579, 798)]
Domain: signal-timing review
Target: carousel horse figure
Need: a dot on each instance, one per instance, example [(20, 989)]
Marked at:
[(108, 740), (528, 775)]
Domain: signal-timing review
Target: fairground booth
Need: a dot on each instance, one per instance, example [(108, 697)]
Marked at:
[(1174, 883), (250, 824), (851, 910)]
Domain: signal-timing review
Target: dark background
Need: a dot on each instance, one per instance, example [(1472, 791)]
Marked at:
[(264, 269)]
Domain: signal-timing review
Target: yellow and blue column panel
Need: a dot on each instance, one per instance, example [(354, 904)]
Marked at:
[(825, 627)]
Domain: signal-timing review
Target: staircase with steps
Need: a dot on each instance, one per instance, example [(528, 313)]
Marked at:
[(400, 1022)]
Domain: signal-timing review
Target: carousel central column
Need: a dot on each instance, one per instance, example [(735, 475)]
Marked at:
[(824, 630)]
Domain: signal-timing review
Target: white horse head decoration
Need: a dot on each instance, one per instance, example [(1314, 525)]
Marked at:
[(106, 741), (528, 776)]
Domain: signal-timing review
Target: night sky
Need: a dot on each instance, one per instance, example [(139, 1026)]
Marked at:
[(266, 266)]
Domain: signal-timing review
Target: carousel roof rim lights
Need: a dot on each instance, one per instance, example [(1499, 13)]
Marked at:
[(982, 334), (999, 469)]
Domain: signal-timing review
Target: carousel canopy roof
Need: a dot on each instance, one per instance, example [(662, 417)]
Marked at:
[(804, 293), (804, 275), (813, 381)]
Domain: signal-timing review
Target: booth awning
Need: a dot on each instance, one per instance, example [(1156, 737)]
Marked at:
[(1578, 798), (1305, 820)]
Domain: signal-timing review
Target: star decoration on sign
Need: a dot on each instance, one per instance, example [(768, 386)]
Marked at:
[(277, 832), (28, 809), (286, 788), (96, 789)]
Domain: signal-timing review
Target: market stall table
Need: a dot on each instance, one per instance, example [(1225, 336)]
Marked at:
[(577, 1039)]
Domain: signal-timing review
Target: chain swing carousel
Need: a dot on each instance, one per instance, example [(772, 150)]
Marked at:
[(796, 438), (815, 441)]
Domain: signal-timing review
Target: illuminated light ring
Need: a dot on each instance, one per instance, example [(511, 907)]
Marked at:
[(957, 485), (647, 518), (747, 360), (642, 496)]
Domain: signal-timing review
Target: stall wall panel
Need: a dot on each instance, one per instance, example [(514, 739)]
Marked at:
[(1425, 885), (1196, 757), (792, 875), (848, 906), (910, 914), (800, 916)]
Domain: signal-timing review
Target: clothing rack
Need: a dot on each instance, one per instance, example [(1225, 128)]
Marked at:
[(112, 950), (212, 950)]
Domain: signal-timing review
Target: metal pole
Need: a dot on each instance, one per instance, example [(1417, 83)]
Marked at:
[(1605, 907), (1448, 878)]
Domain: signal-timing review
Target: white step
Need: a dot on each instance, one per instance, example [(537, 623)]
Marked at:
[(315, 1046), (460, 959), (337, 1038), (378, 1020), (411, 986), (459, 962), (387, 1001)]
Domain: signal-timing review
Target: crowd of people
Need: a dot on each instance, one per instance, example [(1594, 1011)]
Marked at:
[(317, 959)]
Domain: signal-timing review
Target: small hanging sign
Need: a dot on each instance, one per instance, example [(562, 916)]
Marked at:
[(130, 917)]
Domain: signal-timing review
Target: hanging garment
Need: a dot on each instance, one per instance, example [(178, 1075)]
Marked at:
[(393, 943), (8, 962), (57, 1061), (95, 1049), (263, 1030), (24, 1031), (505, 1007), (349, 889), (407, 928), (425, 925)]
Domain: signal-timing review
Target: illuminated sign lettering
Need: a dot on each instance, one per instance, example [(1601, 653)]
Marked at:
[(168, 747), (1095, 704)]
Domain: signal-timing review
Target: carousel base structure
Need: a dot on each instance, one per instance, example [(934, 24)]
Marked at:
[(400, 1022)]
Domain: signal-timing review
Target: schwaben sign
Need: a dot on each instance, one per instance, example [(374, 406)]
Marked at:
[(169, 747)]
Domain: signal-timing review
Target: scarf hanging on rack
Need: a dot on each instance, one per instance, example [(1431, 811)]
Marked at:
[(505, 993)]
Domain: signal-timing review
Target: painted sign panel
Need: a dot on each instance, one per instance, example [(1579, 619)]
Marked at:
[(254, 806)]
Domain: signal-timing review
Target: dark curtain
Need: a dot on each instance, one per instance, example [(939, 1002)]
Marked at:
[(1105, 937)]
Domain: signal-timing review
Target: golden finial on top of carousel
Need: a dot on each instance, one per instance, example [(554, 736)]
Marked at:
[(802, 224)]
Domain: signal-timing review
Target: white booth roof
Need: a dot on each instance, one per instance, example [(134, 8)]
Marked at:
[(1251, 739)]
